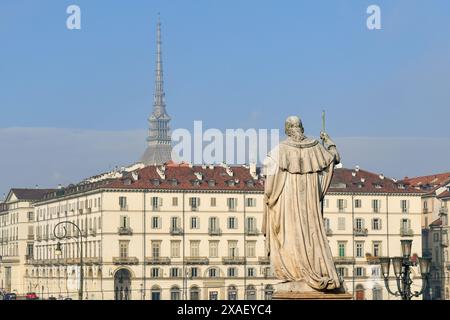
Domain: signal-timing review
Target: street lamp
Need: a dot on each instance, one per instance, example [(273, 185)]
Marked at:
[(80, 245), (402, 271)]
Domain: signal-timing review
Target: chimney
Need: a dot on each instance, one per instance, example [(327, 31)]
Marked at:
[(253, 170)]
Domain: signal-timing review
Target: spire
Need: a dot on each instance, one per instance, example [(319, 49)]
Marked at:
[(159, 102), (159, 148)]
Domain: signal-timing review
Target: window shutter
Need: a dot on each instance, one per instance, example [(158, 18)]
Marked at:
[(198, 202), (379, 204), (345, 203), (337, 203), (379, 224), (407, 204), (160, 201)]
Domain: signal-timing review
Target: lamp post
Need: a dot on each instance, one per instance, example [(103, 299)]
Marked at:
[(402, 271), (80, 245)]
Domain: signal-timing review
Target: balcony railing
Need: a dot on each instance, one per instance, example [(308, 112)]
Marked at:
[(158, 260), (444, 242), (406, 232), (251, 232), (344, 260), (328, 231), (233, 260), (125, 260), (447, 265), (176, 231), (90, 261), (31, 237), (425, 210), (264, 260), (197, 260), (214, 231), (360, 232), (92, 232), (125, 231), (443, 210)]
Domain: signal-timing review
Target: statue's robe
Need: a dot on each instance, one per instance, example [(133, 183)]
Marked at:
[(298, 176)]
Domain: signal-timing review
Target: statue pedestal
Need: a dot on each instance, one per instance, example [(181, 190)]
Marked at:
[(301, 291)]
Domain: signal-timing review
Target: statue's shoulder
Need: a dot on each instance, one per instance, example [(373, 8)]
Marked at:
[(303, 156), (305, 143)]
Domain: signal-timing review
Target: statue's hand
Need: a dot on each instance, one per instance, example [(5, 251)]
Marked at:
[(326, 139), (324, 136)]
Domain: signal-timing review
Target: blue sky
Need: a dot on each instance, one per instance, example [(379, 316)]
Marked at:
[(229, 63)]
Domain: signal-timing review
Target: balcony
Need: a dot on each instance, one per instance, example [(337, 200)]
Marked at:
[(344, 260), (251, 232), (360, 232), (447, 265), (176, 231), (372, 259), (156, 208), (125, 231), (264, 260), (92, 232), (444, 242), (88, 210), (91, 261), (233, 260), (443, 210), (73, 261), (125, 260), (214, 231), (123, 208), (30, 237), (197, 260), (406, 232), (157, 260), (425, 210), (329, 232)]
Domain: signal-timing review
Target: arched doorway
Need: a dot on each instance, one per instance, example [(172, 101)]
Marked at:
[(359, 292), (232, 293), (251, 292), (268, 292), (122, 285)]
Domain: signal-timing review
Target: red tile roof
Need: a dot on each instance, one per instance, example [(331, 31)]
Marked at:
[(186, 178), (432, 180), (436, 223), (361, 181), (445, 194)]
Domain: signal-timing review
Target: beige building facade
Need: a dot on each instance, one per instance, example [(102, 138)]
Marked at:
[(194, 232)]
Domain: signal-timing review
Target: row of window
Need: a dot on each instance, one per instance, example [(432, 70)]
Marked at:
[(194, 248), (195, 293), (375, 272), (212, 272), (194, 223), (359, 224), (359, 249), (341, 204), (194, 202)]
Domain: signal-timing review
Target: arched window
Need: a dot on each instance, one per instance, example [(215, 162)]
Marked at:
[(175, 293), (232, 293), (156, 293), (359, 292), (268, 292), (194, 293), (251, 292), (377, 292)]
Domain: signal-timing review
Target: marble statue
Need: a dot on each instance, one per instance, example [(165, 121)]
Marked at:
[(298, 174)]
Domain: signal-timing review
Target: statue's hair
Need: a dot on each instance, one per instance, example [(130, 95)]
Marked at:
[(293, 128)]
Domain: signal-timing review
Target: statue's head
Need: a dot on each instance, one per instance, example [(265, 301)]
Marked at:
[(293, 128)]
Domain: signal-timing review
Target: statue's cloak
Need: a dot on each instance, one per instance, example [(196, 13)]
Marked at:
[(298, 176)]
